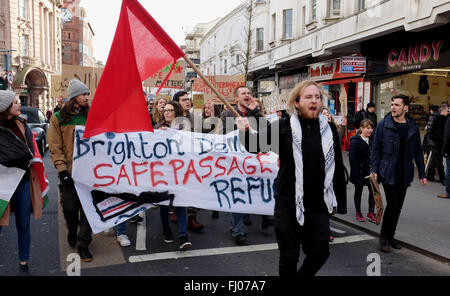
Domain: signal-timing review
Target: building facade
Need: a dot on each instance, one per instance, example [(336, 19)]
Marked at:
[(77, 36), (360, 50), (30, 42)]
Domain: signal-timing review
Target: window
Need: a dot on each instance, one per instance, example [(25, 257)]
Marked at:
[(313, 10), (25, 42), (259, 39), (334, 7), (237, 59), (214, 72), (361, 5), (225, 66), (274, 27), (287, 23), (24, 9)]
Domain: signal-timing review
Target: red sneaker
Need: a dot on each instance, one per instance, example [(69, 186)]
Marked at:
[(371, 217), (360, 217)]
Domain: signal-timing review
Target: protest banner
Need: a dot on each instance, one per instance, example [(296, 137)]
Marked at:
[(198, 101), (88, 75), (224, 84), (117, 175), (176, 79), (274, 103)]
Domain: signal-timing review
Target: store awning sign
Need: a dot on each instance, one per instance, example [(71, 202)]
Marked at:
[(353, 64), (419, 56)]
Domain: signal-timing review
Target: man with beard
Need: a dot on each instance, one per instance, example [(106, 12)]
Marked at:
[(311, 171), (61, 141), (396, 142)]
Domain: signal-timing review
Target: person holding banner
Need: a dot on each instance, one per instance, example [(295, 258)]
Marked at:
[(396, 143), (359, 155), (305, 197), (246, 106), (16, 152), (182, 97), (61, 144), (172, 111)]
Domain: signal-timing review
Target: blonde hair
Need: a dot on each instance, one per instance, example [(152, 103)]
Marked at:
[(295, 94), (365, 123)]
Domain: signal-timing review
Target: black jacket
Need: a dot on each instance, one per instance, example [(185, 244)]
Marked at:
[(284, 187), (364, 114), (359, 156), (13, 151), (446, 143)]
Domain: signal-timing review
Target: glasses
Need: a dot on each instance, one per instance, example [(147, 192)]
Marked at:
[(169, 110)]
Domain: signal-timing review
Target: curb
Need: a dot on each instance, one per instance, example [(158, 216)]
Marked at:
[(404, 244)]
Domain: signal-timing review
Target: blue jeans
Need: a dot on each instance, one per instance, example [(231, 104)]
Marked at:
[(447, 176), (21, 202), (237, 224), (181, 219), (122, 228)]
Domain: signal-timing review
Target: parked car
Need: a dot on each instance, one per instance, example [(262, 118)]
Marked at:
[(38, 125)]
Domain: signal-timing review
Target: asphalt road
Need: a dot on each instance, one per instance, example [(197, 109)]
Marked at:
[(353, 253)]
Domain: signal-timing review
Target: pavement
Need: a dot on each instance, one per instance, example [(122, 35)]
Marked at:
[(424, 223)]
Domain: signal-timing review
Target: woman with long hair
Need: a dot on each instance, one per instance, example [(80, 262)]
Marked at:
[(173, 110), (158, 110), (16, 151), (359, 153)]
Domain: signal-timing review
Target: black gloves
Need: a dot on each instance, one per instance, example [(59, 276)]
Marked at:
[(65, 178)]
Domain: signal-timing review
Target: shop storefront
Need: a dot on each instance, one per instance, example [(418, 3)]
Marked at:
[(348, 90), (414, 64)]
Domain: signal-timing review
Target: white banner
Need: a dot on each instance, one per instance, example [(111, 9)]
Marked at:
[(118, 176)]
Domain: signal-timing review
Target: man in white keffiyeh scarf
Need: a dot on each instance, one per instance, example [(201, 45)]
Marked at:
[(308, 181)]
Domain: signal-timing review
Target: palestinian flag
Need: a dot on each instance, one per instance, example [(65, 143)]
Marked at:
[(38, 166), (10, 178)]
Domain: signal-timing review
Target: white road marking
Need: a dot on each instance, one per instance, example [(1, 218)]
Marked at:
[(337, 230), (141, 235), (232, 250)]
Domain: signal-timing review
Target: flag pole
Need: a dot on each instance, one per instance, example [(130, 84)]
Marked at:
[(219, 95)]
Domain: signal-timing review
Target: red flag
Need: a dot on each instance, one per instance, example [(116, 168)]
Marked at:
[(140, 49)]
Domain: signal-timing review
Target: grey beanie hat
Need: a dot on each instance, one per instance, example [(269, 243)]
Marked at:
[(6, 98), (76, 88)]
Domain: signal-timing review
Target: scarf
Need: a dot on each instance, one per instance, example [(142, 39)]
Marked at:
[(328, 151)]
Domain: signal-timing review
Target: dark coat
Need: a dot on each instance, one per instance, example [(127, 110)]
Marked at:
[(359, 155), (284, 187), (13, 151), (446, 143), (364, 114), (386, 151)]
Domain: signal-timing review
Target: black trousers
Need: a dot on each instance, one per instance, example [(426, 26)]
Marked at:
[(395, 196), (358, 195), (313, 237), (74, 215), (436, 164)]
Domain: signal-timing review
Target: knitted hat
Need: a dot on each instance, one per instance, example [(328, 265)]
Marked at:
[(76, 88), (6, 98)]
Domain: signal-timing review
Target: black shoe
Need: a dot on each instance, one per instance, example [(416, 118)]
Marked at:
[(167, 236), (23, 269), (184, 243), (384, 244), (395, 244), (215, 215), (266, 222), (72, 238), (85, 255), (136, 219), (239, 239), (247, 220)]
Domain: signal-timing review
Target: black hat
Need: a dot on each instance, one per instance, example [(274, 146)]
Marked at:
[(370, 105)]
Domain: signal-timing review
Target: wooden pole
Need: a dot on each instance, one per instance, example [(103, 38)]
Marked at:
[(219, 95)]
